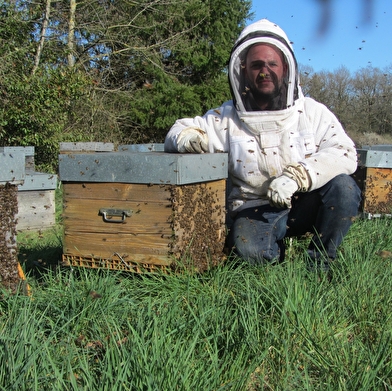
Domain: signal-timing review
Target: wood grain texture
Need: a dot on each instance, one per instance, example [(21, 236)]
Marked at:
[(168, 222)]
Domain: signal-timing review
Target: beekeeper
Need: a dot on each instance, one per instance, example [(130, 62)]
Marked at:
[(290, 159)]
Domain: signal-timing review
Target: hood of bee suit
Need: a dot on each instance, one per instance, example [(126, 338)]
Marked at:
[(267, 32)]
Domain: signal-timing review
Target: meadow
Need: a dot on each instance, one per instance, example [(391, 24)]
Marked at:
[(235, 327)]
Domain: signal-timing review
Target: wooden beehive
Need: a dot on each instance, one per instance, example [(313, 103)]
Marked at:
[(36, 195), (374, 177), (12, 174), (36, 200), (132, 210)]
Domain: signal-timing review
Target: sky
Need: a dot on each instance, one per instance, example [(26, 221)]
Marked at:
[(359, 33)]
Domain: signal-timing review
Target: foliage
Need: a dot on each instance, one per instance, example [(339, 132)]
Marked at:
[(124, 73), (34, 110), (160, 105), (373, 89), (235, 327), (361, 101), (180, 53)]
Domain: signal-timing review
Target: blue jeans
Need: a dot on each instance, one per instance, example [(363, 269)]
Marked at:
[(256, 234)]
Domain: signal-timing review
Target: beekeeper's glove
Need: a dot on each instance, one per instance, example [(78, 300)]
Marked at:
[(280, 191), (193, 140)]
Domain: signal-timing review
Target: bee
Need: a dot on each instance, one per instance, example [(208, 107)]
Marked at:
[(95, 295), (147, 84)]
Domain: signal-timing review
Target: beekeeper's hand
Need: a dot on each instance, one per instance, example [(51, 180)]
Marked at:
[(193, 140), (280, 191)]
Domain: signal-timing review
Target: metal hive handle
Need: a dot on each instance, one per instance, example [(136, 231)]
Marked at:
[(108, 214)]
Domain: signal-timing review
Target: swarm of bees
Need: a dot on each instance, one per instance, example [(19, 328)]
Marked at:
[(198, 221), (9, 276), (378, 197)]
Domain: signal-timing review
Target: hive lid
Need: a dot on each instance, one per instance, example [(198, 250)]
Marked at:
[(86, 146), (38, 181), (28, 151), (375, 156), (141, 147), (12, 167), (143, 167)]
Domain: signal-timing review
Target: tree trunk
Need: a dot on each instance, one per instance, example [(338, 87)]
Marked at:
[(42, 37), (71, 33)]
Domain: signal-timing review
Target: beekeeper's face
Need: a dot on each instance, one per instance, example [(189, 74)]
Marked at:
[(264, 70)]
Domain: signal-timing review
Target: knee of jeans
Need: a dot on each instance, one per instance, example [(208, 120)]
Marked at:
[(257, 253), (344, 188), (255, 240)]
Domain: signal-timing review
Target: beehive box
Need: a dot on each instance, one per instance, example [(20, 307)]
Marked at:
[(36, 195), (141, 209), (12, 173), (36, 200), (374, 177), (28, 152)]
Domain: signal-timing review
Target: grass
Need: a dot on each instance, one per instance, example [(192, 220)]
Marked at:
[(235, 327)]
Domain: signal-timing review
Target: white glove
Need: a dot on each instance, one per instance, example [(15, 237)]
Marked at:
[(193, 140), (281, 190)]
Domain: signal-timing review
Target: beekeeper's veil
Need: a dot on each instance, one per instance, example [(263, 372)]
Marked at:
[(266, 32)]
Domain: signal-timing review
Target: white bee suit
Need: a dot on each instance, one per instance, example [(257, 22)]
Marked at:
[(301, 138)]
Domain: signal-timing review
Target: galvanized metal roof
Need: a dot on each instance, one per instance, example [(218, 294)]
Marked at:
[(12, 167), (143, 167), (377, 158)]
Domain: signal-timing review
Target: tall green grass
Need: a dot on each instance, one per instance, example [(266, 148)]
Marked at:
[(235, 327)]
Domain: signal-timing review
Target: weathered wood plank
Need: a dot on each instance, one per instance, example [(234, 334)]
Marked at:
[(36, 209), (116, 191), (147, 217), (168, 222), (105, 245)]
